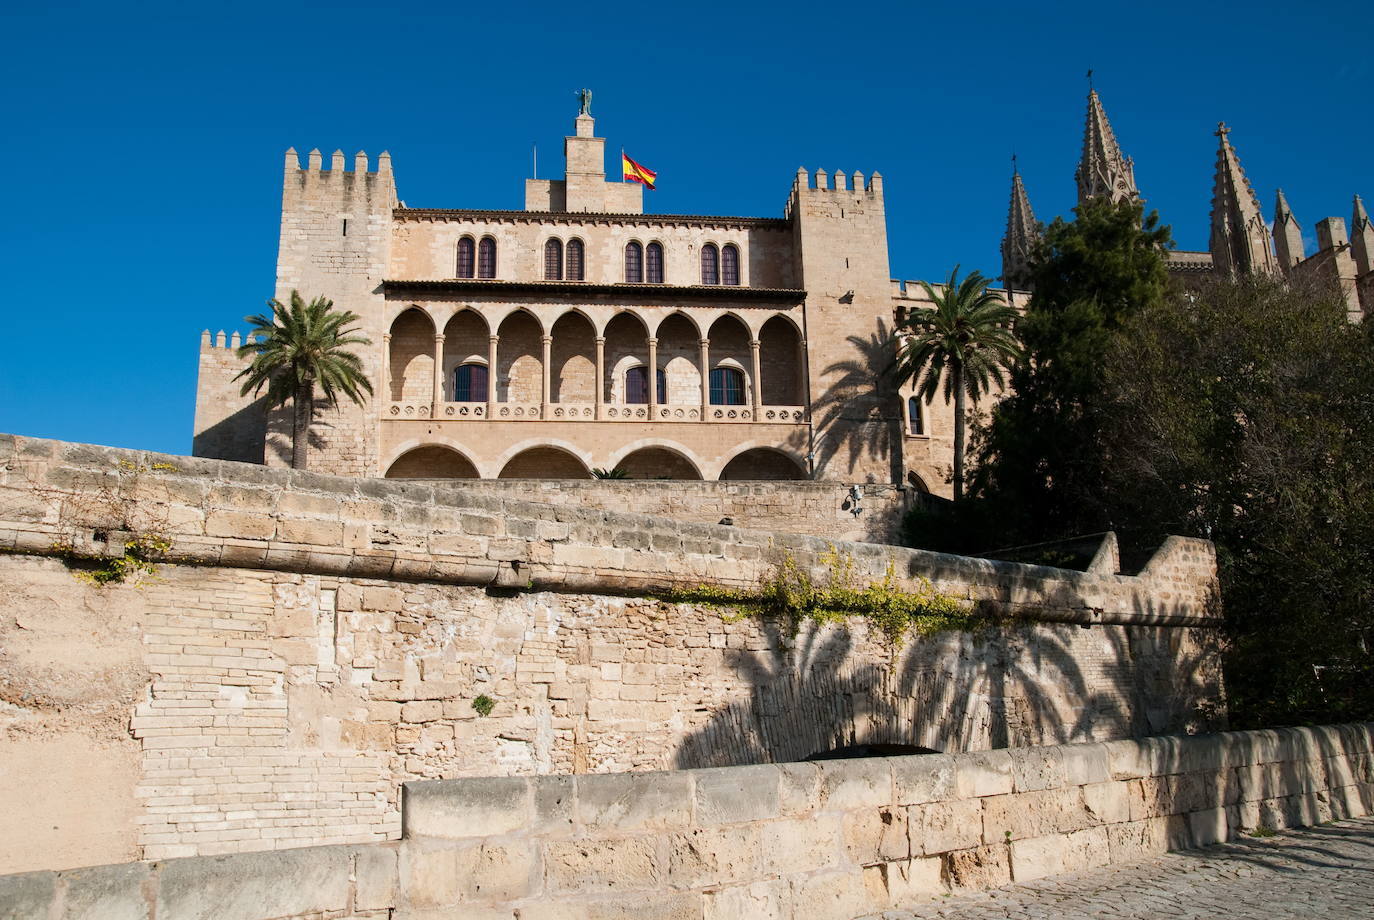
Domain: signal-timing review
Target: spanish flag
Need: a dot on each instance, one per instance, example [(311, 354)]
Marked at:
[(633, 172)]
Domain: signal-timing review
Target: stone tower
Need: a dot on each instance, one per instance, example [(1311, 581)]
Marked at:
[(1103, 171), (1288, 245), (1021, 236), (1240, 243), (840, 245)]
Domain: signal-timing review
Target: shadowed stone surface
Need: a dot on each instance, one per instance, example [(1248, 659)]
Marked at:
[(1325, 872)]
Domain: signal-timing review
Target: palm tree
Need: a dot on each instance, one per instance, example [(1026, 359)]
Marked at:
[(965, 339), (297, 347)]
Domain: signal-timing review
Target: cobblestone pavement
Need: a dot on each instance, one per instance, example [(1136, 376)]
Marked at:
[(1325, 872)]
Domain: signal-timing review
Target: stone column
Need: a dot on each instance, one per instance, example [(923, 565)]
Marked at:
[(492, 342), (705, 363), (757, 390), (386, 368), (548, 358), (438, 375), (600, 374), (653, 378)]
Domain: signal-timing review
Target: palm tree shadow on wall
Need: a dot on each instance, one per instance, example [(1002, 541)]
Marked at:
[(1011, 683), (859, 413), (278, 438)]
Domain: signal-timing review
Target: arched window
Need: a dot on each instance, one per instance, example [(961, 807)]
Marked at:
[(574, 272), (729, 264), (634, 263), (637, 386), (553, 260), (915, 424), (653, 263), (470, 383), (710, 264), (727, 387), (486, 258), (465, 260)]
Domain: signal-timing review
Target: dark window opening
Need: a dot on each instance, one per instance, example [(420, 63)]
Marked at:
[(654, 263), (486, 258), (634, 263), (913, 415), (727, 387), (729, 265), (470, 383), (710, 264), (553, 260), (637, 386), (574, 260), (465, 261)]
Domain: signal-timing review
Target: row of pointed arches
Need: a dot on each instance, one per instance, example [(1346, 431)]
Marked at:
[(563, 461), (721, 364)]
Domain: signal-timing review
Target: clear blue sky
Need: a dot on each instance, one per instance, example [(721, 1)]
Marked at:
[(144, 140)]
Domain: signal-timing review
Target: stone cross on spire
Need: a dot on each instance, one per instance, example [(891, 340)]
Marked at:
[(1240, 242), (1103, 171), (1288, 245), (1021, 236)]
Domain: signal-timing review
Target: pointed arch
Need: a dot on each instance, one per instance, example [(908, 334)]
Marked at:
[(780, 363), (520, 358), (411, 356), (572, 369)]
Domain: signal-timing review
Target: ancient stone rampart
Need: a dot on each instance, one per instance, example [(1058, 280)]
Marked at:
[(308, 643), (797, 841)]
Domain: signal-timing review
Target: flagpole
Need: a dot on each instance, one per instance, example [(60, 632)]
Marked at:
[(622, 165), (534, 148)]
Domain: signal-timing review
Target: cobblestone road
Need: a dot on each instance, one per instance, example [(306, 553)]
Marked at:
[(1325, 872)]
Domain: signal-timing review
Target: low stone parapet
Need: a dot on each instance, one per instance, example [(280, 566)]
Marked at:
[(820, 841)]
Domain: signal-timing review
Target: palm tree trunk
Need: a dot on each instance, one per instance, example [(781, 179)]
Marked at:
[(304, 411), (958, 432)]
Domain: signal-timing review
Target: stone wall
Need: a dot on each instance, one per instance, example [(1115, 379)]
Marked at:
[(310, 642), (820, 509), (798, 841)]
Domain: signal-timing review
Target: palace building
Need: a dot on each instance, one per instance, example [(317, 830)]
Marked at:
[(580, 333)]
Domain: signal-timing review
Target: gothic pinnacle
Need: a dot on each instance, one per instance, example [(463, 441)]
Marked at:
[(1240, 243), (1102, 170)]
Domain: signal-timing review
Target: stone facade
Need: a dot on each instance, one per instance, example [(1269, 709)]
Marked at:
[(312, 641), (497, 352), (799, 841)]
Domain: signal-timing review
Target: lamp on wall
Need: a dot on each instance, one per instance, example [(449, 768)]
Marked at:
[(855, 501)]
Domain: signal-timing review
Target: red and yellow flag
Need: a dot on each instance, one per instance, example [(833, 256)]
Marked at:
[(633, 172)]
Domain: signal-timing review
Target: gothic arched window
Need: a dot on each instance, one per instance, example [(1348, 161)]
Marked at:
[(653, 263), (710, 264), (486, 258), (729, 264), (634, 263), (465, 260), (470, 383), (553, 260), (727, 387), (575, 250)]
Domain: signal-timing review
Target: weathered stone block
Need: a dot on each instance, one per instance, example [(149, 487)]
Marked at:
[(632, 801), (1107, 803), (644, 906), (713, 856), (770, 900), (27, 896), (375, 877), (555, 805), (876, 834), (796, 846), (1037, 857), (849, 784), (982, 773), (922, 778), (104, 893), (455, 809), (1208, 827), (799, 787), (251, 886), (839, 895), (1036, 768), (979, 867), (733, 794), (938, 827), (588, 866)]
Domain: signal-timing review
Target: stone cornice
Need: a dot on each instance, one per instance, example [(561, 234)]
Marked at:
[(713, 293), (591, 217)]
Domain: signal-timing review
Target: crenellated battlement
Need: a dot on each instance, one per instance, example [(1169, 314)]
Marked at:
[(314, 163), (218, 340), (822, 185)]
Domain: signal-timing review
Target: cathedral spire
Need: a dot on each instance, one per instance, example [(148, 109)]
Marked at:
[(1022, 233), (1103, 171), (1361, 238), (1240, 242), (1288, 244)]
